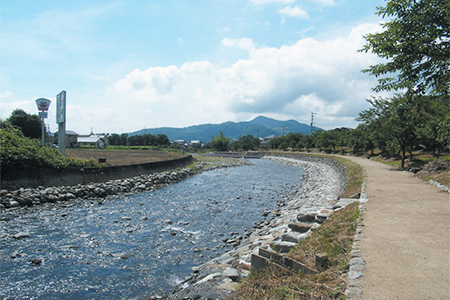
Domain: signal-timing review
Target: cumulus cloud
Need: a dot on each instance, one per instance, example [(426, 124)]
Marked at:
[(286, 82), (294, 12)]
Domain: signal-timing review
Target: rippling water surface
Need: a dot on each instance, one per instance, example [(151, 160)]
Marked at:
[(135, 246)]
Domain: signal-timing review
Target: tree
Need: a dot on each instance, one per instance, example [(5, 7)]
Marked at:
[(124, 139), (397, 119), (416, 43), (435, 132), (220, 142), (31, 125), (162, 140), (114, 139), (248, 142)]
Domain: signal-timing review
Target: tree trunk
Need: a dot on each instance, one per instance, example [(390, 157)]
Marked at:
[(403, 157)]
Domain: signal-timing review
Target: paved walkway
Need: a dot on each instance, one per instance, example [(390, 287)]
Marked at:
[(405, 241)]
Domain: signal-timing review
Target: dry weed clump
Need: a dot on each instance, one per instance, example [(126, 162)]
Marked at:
[(335, 238)]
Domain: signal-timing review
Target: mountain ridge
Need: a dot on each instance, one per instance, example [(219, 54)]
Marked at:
[(260, 126)]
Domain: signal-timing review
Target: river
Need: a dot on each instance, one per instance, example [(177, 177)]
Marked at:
[(135, 246)]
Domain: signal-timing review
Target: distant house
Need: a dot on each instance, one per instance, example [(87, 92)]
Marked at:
[(196, 143), (93, 141), (179, 142), (71, 138)]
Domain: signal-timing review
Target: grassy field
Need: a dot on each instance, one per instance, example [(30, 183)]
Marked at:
[(122, 157)]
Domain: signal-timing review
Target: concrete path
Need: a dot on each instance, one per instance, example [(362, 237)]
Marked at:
[(405, 241)]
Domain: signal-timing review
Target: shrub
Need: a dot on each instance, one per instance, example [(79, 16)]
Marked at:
[(19, 152)]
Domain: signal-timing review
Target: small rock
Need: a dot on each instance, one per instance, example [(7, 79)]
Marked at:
[(122, 255), (70, 247), (228, 286), (192, 297), (283, 247), (14, 203), (36, 261), (21, 235), (353, 275), (231, 273)]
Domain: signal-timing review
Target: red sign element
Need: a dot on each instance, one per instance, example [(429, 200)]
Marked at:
[(43, 104)]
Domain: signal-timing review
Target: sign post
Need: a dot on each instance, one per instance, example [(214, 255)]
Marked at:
[(61, 120), (43, 105)]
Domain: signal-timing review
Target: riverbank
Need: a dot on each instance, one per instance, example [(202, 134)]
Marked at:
[(101, 191), (319, 196), (136, 245)]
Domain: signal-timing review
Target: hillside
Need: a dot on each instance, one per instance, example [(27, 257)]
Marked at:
[(260, 126)]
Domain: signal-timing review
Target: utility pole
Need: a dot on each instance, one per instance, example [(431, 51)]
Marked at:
[(283, 129), (312, 122)]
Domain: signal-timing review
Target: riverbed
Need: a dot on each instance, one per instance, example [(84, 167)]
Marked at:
[(139, 245)]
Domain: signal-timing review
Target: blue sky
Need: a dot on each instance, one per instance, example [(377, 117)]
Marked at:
[(127, 65)]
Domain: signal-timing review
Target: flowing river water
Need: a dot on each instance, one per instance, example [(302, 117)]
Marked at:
[(135, 246)]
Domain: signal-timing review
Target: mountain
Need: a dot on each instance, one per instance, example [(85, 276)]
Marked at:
[(260, 126)]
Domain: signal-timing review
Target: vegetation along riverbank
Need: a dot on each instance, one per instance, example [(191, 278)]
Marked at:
[(295, 232)]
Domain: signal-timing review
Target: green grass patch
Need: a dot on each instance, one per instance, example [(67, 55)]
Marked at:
[(212, 162), (355, 177)]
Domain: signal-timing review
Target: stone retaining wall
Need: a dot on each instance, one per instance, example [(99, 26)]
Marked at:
[(74, 176), (333, 163)]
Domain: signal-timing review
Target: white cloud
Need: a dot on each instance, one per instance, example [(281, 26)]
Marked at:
[(326, 2), (258, 2), (294, 12), (244, 43), (290, 82)]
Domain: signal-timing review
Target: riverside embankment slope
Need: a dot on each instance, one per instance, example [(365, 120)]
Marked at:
[(324, 180), (405, 242)]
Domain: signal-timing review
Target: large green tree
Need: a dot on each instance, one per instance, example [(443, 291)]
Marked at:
[(416, 44), (397, 121), (31, 125)]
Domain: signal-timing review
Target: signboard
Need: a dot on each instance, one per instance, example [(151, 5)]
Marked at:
[(61, 107), (43, 114), (43, 104)]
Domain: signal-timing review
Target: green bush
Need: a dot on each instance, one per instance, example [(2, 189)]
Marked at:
[(18, 152)]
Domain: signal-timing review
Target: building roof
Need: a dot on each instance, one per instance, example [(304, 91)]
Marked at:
[(88, 139), (70, 132)]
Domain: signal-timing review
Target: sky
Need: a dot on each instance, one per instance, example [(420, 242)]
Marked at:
[(127, 65)]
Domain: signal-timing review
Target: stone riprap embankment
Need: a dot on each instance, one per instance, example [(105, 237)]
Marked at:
[(291, 221), (99, 191), (92, 191)]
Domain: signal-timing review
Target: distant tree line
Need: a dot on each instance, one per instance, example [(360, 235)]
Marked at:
[(415, 43), (138, 140)]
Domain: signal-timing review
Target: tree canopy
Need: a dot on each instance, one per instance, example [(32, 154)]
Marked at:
[(220, 142), (416, 43), (31, 125)]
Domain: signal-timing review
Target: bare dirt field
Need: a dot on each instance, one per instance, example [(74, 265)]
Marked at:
[(122, 157)]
